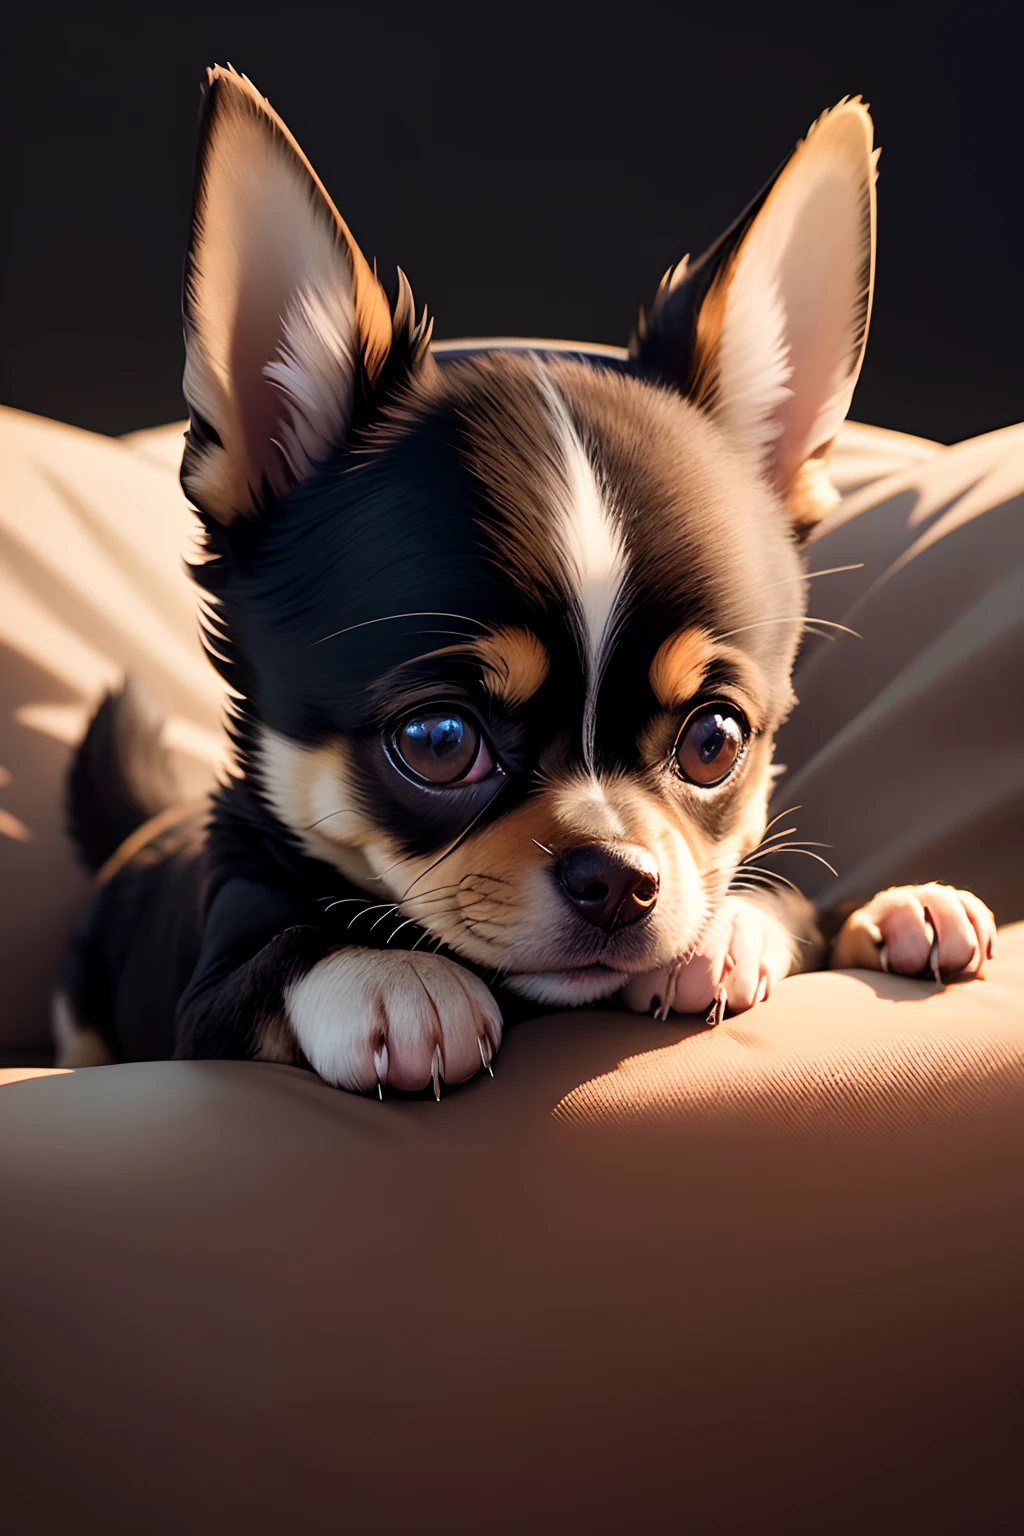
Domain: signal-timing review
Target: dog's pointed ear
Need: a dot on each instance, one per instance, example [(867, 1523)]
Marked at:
[(287, 330), (767, 331)]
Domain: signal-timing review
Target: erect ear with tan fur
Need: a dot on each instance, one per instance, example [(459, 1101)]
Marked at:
[(767, 331), (286, 325)]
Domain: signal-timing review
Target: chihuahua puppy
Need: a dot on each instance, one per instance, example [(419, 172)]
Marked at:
[(509, 631)]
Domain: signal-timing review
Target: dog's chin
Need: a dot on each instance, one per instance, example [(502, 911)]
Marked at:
[(569, 988)]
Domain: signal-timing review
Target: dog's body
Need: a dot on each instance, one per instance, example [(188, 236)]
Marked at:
[(511, 635)]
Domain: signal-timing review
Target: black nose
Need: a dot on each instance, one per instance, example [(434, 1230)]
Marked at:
[(608, 890)]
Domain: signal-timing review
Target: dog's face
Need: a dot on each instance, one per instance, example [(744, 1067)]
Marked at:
[(515, 631)]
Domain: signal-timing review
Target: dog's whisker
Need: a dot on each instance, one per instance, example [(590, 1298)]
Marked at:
[(456, 844), (793, 618), (832, 570), (755, 872), (787, 812), (782, 847), (438, 890), (396, 931), (766, 842), (807, 852), (389, 906), (343, 811), (766, 876), (408, 858), (390, 618), (437, 915)]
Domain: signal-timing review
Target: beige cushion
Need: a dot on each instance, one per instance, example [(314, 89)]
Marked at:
[(91, 538), (765, 1278)]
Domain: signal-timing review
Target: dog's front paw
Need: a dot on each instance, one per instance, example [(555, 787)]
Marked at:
[(365, 1018), (746, 954), (918, 928)]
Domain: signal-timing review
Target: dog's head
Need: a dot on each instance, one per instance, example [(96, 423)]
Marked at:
[(513, 632)]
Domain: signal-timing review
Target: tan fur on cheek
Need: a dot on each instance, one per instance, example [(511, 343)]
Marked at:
[(310, 790), (479, 896)]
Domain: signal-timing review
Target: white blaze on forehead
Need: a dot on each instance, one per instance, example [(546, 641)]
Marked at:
[(593, 549)]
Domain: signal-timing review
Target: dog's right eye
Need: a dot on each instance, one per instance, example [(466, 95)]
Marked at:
[(443, 747)]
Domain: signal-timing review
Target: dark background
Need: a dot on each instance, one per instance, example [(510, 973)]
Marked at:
[(533, 168)]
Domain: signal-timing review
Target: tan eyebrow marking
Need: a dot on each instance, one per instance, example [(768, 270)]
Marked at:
[(514, 662), (680, 664)]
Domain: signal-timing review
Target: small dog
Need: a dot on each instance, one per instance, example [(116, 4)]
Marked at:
[(509, 633)]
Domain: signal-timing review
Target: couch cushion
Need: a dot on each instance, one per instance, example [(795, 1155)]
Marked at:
[(765, 1278)]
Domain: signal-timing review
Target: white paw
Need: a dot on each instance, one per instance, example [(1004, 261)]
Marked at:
[(747, 952), (915, 928), (366, 1018)]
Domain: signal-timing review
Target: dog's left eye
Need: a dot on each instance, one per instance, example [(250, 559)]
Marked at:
[(443, 747), (710, 744)]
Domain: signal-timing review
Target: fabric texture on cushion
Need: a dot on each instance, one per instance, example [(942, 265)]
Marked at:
[(851, 1053), (238, 1301)]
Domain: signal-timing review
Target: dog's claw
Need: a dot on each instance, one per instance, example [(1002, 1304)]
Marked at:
[(435, 1072), (883, 957), (933, 952), (485, 1054), (716, 1012), (380, 1066)]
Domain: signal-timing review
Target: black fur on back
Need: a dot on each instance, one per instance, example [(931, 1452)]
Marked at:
[(120, 776)]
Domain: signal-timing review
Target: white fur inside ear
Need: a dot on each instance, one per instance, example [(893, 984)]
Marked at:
[(798, 300), (753, 360), (271, 345)]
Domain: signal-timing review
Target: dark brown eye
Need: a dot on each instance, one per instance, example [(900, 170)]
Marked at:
[(710, 744), (443, 747)]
